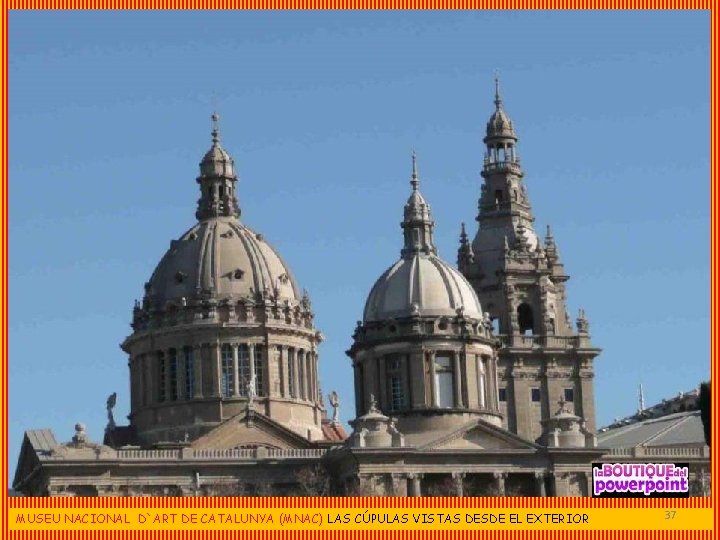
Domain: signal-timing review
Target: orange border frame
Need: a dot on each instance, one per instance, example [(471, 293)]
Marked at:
[(361, 502)]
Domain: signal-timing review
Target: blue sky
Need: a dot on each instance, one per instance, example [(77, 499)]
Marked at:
[(109, 117)]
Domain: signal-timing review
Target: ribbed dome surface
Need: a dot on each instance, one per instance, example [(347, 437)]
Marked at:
[(224, 258), (422, 284)]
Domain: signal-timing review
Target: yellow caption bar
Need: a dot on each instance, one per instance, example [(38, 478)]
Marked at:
[(358, 518)]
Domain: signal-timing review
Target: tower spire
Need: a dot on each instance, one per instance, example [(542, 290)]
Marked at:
[(215, 128), (498, 99), (417, 223), (641, 398), (414, 181), (465, 253)]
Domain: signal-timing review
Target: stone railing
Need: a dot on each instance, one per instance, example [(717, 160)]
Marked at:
[(554, 342), (672, 453), (501, 166), (148, 454), (537, 341), (213, 454)]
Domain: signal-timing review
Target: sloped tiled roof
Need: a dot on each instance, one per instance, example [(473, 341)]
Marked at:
[(42, 440), (679, 429)]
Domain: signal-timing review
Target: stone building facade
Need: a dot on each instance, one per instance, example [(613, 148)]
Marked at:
[(468, 381)]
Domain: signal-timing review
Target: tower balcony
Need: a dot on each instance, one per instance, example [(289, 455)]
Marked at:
[(545, 342), (492, 167)]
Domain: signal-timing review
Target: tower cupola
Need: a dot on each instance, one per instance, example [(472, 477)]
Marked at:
[(417, 224), (217, 180), (500, 140)]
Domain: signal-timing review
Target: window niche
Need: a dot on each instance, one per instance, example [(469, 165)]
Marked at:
[(444, 385)]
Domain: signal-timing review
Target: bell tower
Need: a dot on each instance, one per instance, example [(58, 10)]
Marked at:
[(520, 282)]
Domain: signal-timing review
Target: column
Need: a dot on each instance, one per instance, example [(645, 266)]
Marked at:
[(587, 409), (457, 479), (588, 484), (399, 485), (215, 369), (181, 374), (197, 371), (283, 367), (135, 382), (414, 485), (296, 380), (458, 380), (369, 382), (500, 483), (251, 359), (540, 484), (301, 375), (383, 400), (313, 377), (236, 370), (147, 375), (433, 394), (417, 379), (168, 380), (521, 404), (357, 379), (491, 383)]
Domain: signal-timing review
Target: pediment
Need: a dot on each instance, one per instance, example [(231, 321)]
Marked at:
[(480, 436), (250, 431)]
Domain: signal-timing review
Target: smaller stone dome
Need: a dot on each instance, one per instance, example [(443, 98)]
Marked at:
[(423, 284), (217, 162), (420, 283), (500, 126)]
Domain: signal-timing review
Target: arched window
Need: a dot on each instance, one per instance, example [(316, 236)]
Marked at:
[(162, 375), (228, 374), (495, 325), (243, 368), (189, 373), (173, 374), (525, 319), (498, 196), (444, 387), (259, 371)]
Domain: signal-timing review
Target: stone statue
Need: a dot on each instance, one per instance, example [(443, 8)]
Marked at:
[(583, 326), (373, 405), (110, 405), (334, 400), (251, 390)]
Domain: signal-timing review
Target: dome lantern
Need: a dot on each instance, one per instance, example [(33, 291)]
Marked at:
[(417, 224), (217, 180)]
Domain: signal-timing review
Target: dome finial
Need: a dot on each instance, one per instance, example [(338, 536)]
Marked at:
[(498, 99), (215, 127), (414, 181)]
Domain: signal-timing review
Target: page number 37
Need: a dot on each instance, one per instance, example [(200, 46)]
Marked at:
[(670, 514)]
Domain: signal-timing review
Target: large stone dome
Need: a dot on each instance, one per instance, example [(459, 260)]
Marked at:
[(224, 258), (421, 285), (223, 330)]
